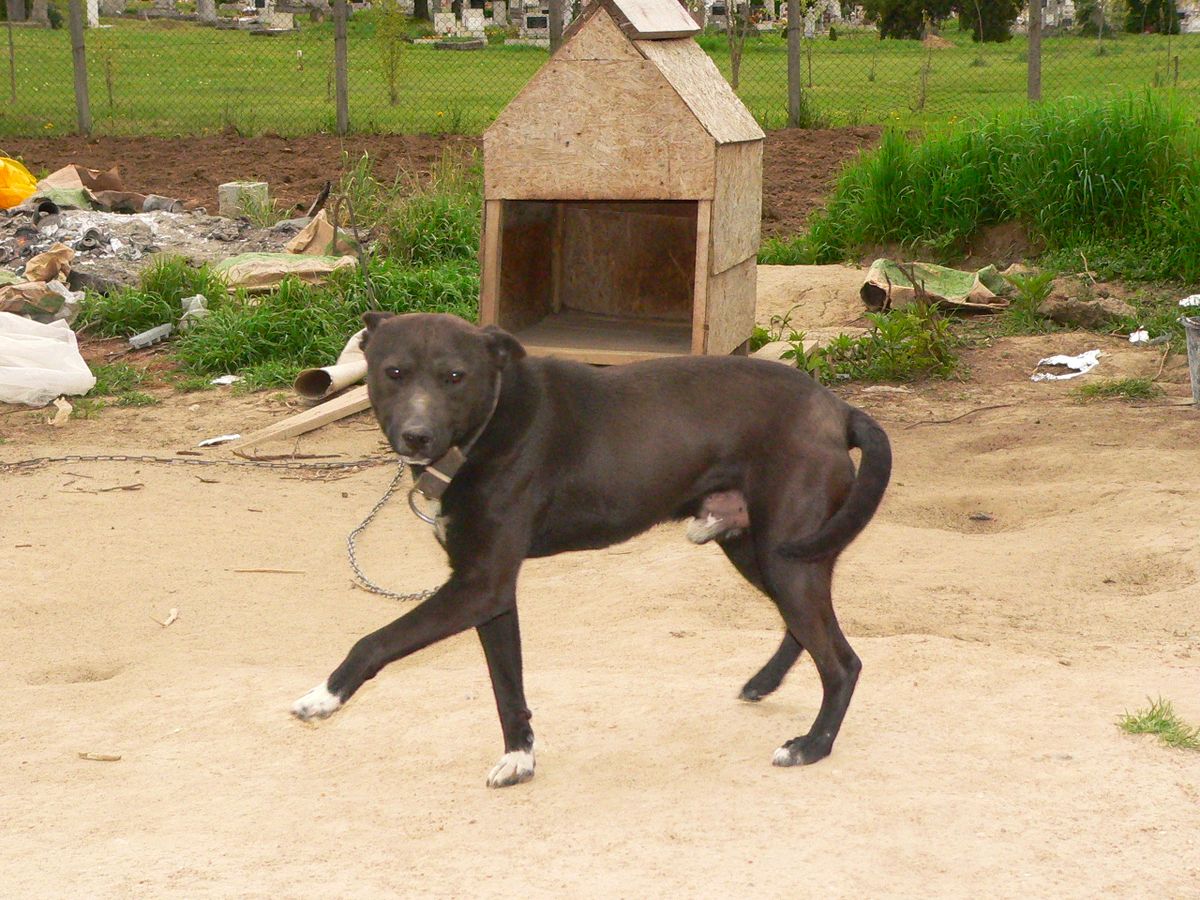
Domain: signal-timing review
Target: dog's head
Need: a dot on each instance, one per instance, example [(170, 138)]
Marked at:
[(432, 378)]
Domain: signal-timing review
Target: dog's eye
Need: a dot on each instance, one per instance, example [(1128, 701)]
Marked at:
[(393, 372), (455, 377)]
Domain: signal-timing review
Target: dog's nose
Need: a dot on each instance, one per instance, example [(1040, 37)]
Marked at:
[(417, 439)]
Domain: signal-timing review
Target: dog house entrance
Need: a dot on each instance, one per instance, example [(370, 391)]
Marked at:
[(600, 280)]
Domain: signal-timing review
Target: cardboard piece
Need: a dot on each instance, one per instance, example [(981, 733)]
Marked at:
[(320, 238), (266, 271)]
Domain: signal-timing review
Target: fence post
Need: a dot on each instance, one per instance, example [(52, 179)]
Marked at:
[(12, 66), (556, 24), (1035, 50), (793, 63), (79, 56), (340, 75)]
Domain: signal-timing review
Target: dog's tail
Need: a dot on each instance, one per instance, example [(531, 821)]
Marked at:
[(853, 515)]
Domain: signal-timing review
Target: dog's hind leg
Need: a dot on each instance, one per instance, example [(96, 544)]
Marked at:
[(501, 640), (802, 592), (740, 551)]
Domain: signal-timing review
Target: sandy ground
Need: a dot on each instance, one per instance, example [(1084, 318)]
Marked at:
[(980, 755)]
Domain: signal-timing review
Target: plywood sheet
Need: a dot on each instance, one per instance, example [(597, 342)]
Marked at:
[(700, 285), (705, 91), (730, 307), (526, 253), (737, 204), (598, 130), (654, 18), (489, 252), (604, 340), (632, 259), (598, 38)]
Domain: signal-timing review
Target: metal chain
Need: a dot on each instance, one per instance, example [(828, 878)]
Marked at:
[(362, 580), (188, 461)]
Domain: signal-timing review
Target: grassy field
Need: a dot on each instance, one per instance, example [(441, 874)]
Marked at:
[(176, 78)]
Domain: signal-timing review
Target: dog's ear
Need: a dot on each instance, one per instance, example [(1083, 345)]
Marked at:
[(503, 346), (372, 320)]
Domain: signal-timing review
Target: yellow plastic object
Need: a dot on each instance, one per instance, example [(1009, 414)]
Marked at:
[(16, 184)]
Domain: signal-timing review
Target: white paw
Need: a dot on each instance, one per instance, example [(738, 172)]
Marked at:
[(513, 768), (783, 757), (316, 704)]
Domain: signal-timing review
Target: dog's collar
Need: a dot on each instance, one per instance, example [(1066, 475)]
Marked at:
[(439, 473)]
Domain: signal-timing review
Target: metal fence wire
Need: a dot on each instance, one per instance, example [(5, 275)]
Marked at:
[(157, 70)]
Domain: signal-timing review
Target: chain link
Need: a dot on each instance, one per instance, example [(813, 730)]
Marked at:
[(362, 580)]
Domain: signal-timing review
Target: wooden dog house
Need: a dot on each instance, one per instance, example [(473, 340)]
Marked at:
[(623, 196)]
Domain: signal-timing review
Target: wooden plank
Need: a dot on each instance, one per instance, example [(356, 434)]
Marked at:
[(598, 130), (347, 404), (737, 204), (653, 19), (489, 281), (629, 258), (604, 340), (694, 75), (700, 284), (599, 38), (730, 307), (557, 251)]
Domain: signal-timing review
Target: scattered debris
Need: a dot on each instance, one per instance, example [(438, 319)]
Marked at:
[(226, 379), (172, 615), (890, 285), (39, 361), (121, 487), (350, 368), (151, 336), (1192, 301), (219, 439), (1141, 336), (194, 309), (62, 412), (1078, 365), (320, 238), (257, 272), (272, 571), (100, 757), (980, 517), (886, 389)]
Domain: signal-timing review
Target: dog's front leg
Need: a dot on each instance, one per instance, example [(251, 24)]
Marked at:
[(465, 601), (501, 639)]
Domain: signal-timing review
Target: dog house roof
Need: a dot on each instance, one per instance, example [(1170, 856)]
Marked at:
[(615, 114)]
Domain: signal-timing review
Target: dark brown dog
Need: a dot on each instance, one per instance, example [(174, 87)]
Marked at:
[(563, 456)]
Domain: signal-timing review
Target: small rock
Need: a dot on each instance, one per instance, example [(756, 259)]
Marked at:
[(886, 389), (980, 517)]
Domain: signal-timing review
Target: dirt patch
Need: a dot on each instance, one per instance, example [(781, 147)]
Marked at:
[(799, 169), (980, 749), (798, 166), (1000, 246)]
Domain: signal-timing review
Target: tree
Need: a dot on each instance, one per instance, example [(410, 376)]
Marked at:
[(1097, 17), (390, 31), (1157, 16), (39, 13), (737, 27), (989, 20), (206, 11), (906, 18)]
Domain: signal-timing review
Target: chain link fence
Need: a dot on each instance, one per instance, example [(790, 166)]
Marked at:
[(170, 75)]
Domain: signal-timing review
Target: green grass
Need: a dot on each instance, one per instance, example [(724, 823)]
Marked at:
[(903, 345), (1128, 389), (164, 283), (164, 77), (431, 232), (114, 379), (1159, 718), (1022, 316), (1077, 174)]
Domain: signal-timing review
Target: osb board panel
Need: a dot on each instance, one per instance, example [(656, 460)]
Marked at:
[(737, 204), (526, 246), (655, 18), (700, 285), (604, 340), (633, 259), (703, 88), (489, 263), (599, 38), (598, 130), (731, 307)]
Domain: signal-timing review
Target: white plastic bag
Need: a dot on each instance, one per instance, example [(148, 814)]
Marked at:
[(39, 362)]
